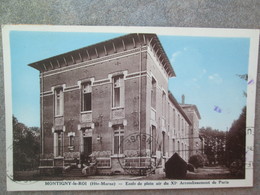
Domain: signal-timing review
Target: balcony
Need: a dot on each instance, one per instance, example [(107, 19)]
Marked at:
[(118, 113)]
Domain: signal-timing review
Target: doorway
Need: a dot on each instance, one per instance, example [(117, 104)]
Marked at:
[(87, 148)]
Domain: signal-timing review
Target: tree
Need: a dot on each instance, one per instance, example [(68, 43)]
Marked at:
[(244, 77), (236, 139), (197, 161), (26, 146), (214, 145)]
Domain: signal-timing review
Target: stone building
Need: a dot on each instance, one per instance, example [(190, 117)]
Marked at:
[(108, 105), (195, 140), (179, 128)]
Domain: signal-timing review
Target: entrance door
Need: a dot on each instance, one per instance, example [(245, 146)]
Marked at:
[(87, 148)]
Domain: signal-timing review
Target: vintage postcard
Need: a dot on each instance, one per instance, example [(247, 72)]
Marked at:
[(108, 108)]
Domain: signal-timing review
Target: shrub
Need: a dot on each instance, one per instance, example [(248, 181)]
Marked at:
[(196, 160), (205, 160), (237, 168), (190, 167)]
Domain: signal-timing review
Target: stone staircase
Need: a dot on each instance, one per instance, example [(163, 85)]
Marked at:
[(90, 170), (72, 171)]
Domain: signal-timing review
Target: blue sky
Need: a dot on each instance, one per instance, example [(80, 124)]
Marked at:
[(205, 70), (206, 73)]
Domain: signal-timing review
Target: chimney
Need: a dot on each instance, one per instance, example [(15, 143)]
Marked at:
[(182, 99)]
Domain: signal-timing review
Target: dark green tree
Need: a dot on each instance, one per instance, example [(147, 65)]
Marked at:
[(214, 145), (244, 77), (26, 146), (236, 139)]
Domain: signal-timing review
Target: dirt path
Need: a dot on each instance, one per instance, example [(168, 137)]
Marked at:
[(217, 172)]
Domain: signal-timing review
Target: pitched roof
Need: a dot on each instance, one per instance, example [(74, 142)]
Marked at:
[(192, 106), (177, 105)]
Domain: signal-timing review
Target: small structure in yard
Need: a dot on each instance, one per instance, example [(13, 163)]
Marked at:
[(175, 167)]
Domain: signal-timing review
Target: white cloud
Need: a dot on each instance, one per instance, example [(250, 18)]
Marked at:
[(181, 52), (174, 56), (215, 78)]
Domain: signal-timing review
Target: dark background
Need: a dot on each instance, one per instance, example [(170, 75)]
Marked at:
[(181, 13)]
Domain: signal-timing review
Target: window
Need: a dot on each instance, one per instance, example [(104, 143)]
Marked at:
[(169, 119), (58, 147), (188, 151), (153, 94), (174, 124), (86, 97), (185, 151), (164, 104), (71, 140), (58, 102), (163, 142), (173, 145), (118, 91), (168, 146), (118, 138), (182, 151), (153, 140), (178, 122), (182, 126)]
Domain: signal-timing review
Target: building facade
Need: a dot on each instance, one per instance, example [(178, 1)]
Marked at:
[(196, 142), (108, 104)]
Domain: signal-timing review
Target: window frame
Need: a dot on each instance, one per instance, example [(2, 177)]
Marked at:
[(118, 85), (153, 143), (71, 140), (86, 88), (59, 143), (58, 101), (163, 104), (163, 144), (153, 93), (174, 121), (118, 132)]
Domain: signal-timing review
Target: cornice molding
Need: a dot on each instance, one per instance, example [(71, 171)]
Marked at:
[(106, 49)]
